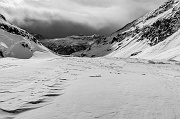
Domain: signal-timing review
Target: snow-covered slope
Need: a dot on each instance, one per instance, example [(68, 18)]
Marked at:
[(156, 35), (153, 36), (17, 43), (71, 44)]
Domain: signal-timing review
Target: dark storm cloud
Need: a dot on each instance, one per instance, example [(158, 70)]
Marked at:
[(57, 29), (60, 18)]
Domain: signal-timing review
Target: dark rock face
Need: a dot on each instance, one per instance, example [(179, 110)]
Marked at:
[(15, 30), (1, 54), (136, 53), (162, 28), (2, 17), (159, 30), (115, 39), (72, 44), (38, 36), (66, 50)]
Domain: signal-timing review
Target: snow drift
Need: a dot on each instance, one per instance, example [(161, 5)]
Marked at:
[(17, 43)]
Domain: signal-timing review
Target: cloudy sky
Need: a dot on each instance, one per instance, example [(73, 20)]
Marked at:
[(61, 18)]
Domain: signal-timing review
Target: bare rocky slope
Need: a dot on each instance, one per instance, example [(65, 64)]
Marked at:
[(153, 36), (6, 26), (71, 44)]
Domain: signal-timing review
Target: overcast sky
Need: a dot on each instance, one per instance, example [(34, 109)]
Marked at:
[(61, 18)]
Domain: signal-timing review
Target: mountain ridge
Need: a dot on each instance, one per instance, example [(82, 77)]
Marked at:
[(152, 36), (16, 42), (145, 37)]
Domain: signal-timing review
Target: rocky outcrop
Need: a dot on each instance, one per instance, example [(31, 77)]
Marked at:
[(152, 36), (72, 44), (2, 17), (156, 31), (39, 37), (15, 30), (16, 42)]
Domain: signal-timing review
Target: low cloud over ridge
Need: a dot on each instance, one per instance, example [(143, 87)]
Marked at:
[(59, 18)]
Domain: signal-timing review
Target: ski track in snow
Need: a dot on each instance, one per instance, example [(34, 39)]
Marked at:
[(84, 88)]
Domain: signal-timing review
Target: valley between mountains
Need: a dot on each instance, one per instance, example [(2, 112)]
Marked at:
[(134, 73)]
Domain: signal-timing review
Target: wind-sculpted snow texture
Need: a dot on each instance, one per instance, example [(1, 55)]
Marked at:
[(88, 88)]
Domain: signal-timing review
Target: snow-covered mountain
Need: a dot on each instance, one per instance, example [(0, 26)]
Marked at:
[(71, 44), (156, 35), (54, 87), (16, 42)]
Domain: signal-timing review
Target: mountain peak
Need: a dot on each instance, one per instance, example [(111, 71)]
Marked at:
[(16, 42), (2, 17)]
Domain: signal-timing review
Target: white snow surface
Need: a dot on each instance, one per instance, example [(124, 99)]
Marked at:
[(169, 49), (134, 81), (16, 46), (36, 84), (55, 87)]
